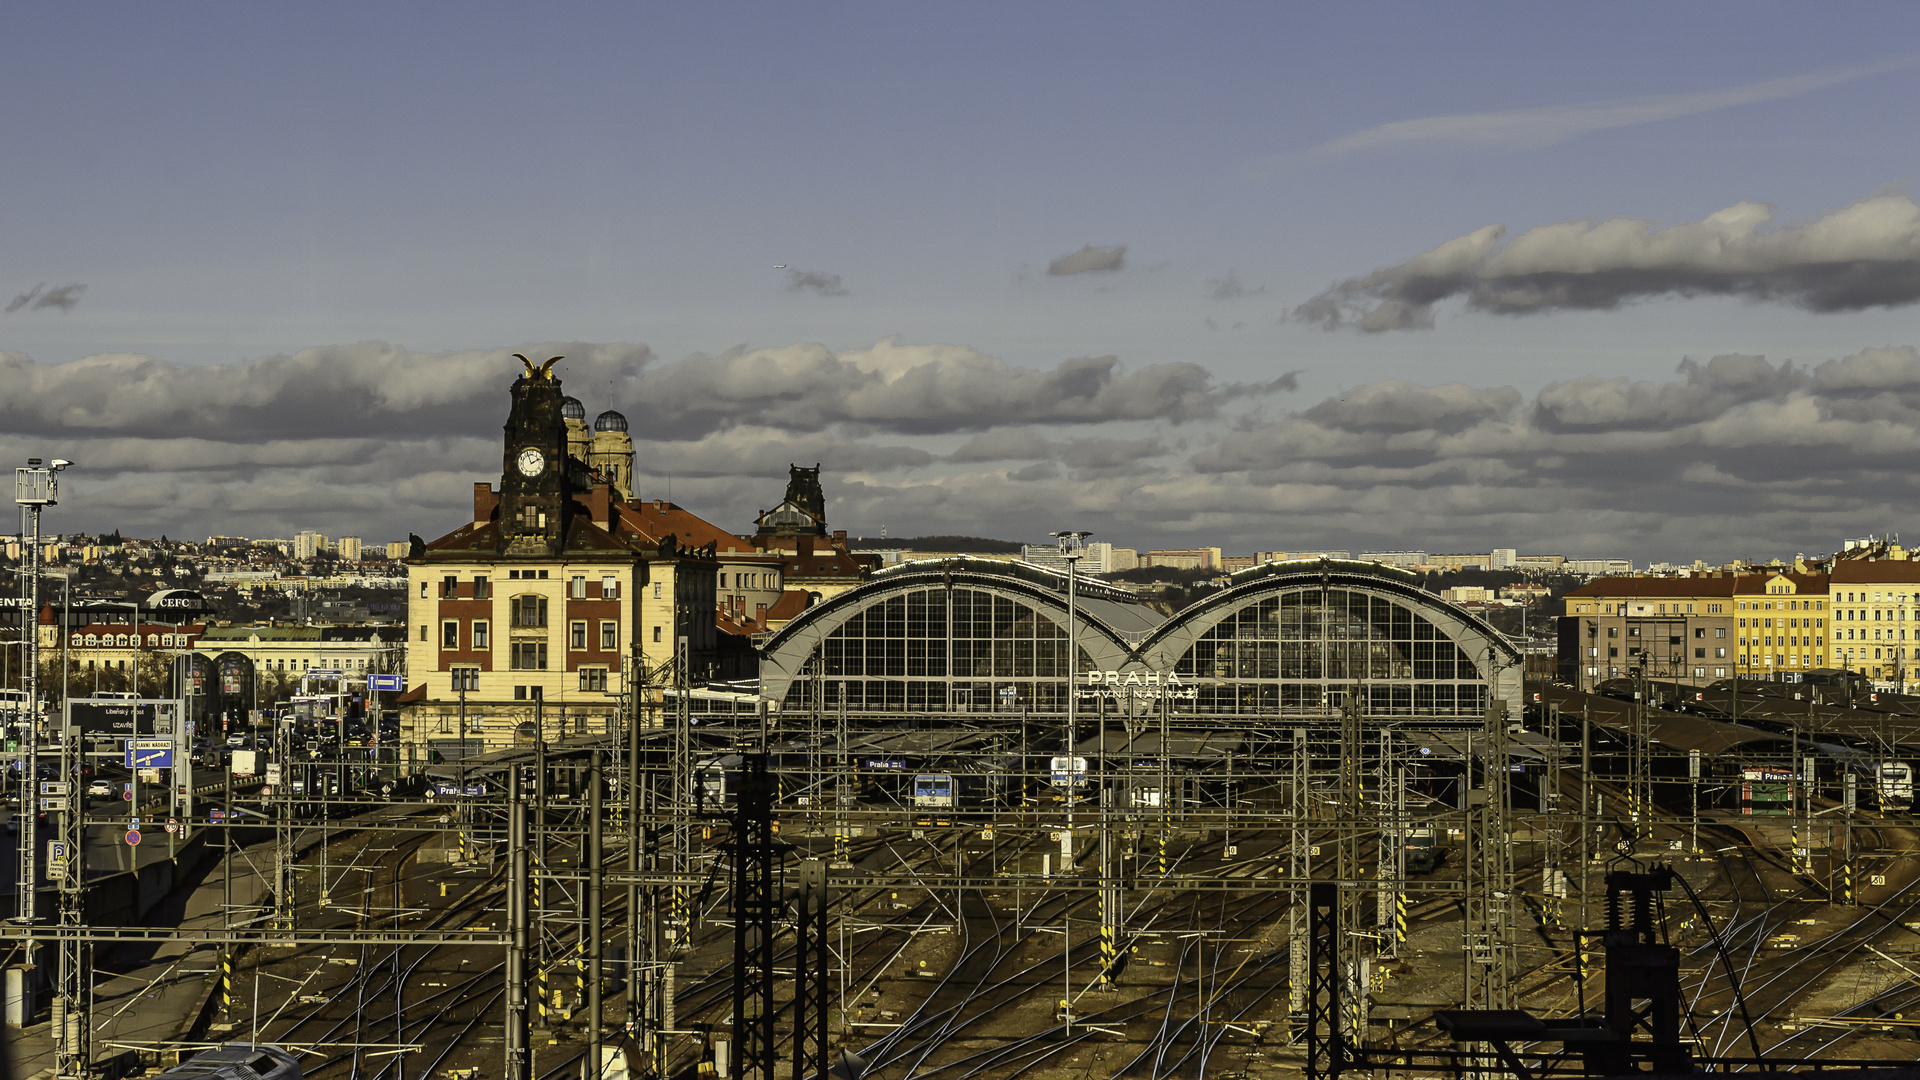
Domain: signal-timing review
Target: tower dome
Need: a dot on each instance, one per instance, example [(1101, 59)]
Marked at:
[(571, 409), (610, 421)]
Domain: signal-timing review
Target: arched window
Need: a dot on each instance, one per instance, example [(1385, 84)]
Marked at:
[(942, 650), (1302, 652)]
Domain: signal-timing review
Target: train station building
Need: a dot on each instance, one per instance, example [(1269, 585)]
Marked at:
[(1282, 640)]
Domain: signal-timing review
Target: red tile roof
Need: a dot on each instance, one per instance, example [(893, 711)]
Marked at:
[(1882, 572)]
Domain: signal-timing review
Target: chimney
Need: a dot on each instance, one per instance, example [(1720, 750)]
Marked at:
[(485, 500)]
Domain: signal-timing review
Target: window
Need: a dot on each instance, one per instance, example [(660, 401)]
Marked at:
[(466, 679), (593, 679), (529, 656), (1719, 653), (577, 631), (449, 586), (529, 611), (423, 588), (423, 626), (656, 590), (1699, 631), (543, 577), (480, 591), (519, 692), (656, 635), (723, 579), (609, 635), (480, 639), (609, 587), (577, 587), (514, 575), (1699, 654), (1613, 631), (450, 634)]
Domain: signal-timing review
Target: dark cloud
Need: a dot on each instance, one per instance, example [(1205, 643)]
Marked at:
[(922, 389), (64, 297), (816, 282), (1089, 259), (336, 391), (1735, 455), (1862, 256)]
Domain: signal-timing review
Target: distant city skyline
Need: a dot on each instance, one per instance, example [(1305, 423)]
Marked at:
[(1244, 276)]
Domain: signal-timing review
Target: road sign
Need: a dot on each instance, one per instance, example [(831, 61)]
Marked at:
[(55, 787), (323, 673), (273, 774), (126, 792), (160, 757), (384, 682), (173, 825), (133, 837)]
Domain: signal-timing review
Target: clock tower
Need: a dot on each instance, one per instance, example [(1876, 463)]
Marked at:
[(533, 472)]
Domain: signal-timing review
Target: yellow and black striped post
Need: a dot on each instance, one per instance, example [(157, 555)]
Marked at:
[(1580, 961), (1400, 918), (1793, 834), (226, 984), (1108, 974), (1846, 883)]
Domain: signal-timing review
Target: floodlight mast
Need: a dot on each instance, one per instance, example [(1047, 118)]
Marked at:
[(1073, 546), (34, 488)]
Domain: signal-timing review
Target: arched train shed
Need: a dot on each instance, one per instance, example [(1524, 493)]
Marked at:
[(972, 636)]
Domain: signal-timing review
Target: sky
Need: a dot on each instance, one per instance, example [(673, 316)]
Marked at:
[(1629, 280)]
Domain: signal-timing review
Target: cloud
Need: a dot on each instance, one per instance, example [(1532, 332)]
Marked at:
[(815, 281), (1861, 256), (1736, 455), (335, 391), (1229, 287), (922, 389), (63, 297), (1085, 453), (1549, 124), (1089, 259)]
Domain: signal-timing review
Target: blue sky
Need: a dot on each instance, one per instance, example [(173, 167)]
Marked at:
[(233, 184)]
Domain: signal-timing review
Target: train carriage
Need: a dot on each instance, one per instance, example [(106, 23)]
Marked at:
[(238, 1061)]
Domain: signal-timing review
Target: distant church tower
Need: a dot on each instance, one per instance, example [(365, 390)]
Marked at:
[(612, 453), (578, 437)]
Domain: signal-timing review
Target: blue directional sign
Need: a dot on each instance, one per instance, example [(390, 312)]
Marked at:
[(143, 757), (384, 683)]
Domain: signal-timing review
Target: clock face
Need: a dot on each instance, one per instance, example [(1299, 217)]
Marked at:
[(530, 462)]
